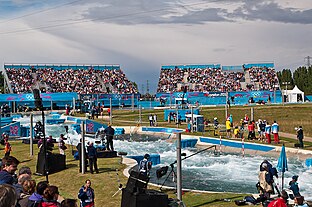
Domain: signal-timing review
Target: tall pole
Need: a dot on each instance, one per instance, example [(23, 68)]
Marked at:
[(132, 102), (179, 169), (192, 119), (83, 156), (140, 115), (110, 114), (31, 146), (45, 147), (74, 105), (251, 113)]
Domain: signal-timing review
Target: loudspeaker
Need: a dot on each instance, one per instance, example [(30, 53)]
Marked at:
[(136, 182), (38, 100), (150, 198)]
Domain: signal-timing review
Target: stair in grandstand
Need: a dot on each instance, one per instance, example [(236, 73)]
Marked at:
[(185, 77), (101, 82), (247, 77), (243, 85)]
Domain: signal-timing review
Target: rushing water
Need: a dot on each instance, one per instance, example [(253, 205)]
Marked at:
[(227, 172)]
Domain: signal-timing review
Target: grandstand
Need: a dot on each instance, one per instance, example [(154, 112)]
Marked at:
[(82, 79), (214, 78)]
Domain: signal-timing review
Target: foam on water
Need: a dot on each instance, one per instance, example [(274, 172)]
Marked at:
[(228, 172)]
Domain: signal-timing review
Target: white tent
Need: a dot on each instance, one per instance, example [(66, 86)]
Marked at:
[(294, 96)]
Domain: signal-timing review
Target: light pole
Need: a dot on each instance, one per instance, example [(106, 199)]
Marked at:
[(286, 92)]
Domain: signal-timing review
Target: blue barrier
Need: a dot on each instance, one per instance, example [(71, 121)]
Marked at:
[(119, 131), (56, 116), (188, 143), (309, 162), (16, 116), (154, 158), (236, 144), (161, 129), (55, 121)]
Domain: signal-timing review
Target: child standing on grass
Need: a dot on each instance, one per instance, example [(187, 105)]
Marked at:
[(7, 148)]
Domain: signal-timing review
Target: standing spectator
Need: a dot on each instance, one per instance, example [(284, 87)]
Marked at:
[(9, 166), (109, 131), (228, 128), (8, 196), (268, 132), (62, 146), (262, 130), (145, 165), (92, 158), (275, 130), (293, 186), (7, 148), (155, 119), (300, 136), (246, 119), (109, 112), (265, 181), (67, 109), (86, 195), (251, 130), (150, 119)]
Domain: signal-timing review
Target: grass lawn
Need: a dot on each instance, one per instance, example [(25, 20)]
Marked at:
[(106, 182)]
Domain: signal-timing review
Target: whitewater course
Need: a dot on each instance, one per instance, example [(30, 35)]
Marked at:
[(230, 166)]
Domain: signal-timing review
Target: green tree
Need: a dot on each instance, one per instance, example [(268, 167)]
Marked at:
[(302, 75), (285, 76)]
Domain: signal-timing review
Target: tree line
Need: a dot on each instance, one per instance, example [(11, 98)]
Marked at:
[(301, 77)]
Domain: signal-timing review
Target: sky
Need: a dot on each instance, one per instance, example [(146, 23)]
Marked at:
[(142, 35)]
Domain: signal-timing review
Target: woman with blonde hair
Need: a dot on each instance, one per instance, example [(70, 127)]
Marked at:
[(29, 187)]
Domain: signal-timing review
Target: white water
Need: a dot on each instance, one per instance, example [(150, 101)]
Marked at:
[(227, 172)]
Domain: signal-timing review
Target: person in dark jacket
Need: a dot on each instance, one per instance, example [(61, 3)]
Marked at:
[(293, 185), (92, 155), (37, 196), (86, 195), (9, 166), (109, 131), (300, 136)]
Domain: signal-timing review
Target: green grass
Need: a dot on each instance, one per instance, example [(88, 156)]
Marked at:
[(106, 182)]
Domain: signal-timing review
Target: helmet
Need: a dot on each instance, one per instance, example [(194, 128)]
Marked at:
[(146, 156)]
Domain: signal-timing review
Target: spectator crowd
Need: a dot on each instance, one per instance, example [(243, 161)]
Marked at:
[(216, 79), (82, 81)]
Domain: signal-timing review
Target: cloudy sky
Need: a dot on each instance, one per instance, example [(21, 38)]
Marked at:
[(142, 35)]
